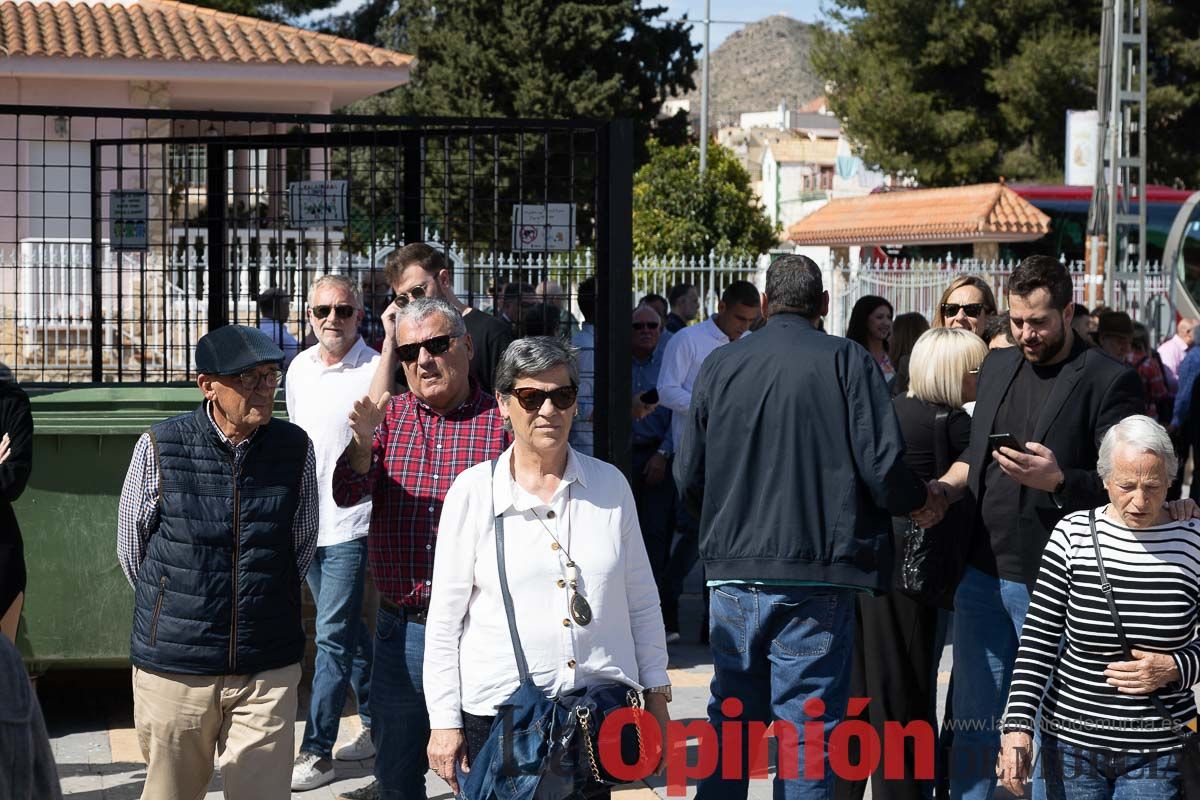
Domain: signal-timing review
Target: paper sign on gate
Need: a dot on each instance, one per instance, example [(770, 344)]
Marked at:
[(317, 204), (128, 220), (545, 226)]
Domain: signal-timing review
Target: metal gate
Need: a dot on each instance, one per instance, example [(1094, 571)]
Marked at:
[(125, 235)]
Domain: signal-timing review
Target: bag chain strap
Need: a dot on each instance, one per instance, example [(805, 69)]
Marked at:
[(584, 714)]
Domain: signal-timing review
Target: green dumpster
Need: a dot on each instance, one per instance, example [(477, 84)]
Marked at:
[(78, 605)]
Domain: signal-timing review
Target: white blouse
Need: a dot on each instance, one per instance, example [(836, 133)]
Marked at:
[(469, 661)]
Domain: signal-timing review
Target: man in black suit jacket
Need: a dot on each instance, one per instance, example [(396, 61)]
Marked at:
[(1057, 398)]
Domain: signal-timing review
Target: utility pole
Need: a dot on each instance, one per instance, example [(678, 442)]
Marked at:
[(707, 22), (1117, 232)]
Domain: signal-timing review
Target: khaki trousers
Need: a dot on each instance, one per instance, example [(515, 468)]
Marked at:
[(247, 720)]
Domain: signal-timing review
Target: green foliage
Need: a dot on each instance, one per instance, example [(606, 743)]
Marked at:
[(599, 59), (962, 91), (676, 213)]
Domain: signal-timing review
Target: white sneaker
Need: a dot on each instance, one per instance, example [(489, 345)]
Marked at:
[(672, 637), (311, 771), (359, 748)]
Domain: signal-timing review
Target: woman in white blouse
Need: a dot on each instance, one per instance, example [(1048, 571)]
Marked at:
[(586, 605)]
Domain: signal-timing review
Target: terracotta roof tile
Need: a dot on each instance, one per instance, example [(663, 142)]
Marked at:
[(164, 30), (986, 212)]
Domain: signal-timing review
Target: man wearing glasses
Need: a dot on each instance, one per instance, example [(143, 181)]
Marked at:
[(216, 527), (323, 383), (404, 453), (415, 271)]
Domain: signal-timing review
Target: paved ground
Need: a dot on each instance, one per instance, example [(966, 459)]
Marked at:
[(90, 715)]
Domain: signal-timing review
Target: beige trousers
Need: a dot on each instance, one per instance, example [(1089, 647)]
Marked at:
[(247, 720)]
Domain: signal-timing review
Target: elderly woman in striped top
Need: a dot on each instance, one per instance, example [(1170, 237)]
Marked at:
[(1102, 733)]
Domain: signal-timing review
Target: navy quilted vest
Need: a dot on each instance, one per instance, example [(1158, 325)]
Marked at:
[(218, 591)]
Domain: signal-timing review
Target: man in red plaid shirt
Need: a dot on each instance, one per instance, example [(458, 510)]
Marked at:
[(405, 453)]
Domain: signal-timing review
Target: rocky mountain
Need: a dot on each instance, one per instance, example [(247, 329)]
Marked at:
[(756, 68)]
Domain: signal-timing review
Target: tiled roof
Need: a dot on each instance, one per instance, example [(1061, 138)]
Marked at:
[(163, 30), (987, 212), (804, 151)]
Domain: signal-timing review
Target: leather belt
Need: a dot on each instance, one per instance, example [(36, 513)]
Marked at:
[(410, 613)]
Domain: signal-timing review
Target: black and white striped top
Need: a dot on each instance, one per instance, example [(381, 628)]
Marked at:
[(1155, 574)]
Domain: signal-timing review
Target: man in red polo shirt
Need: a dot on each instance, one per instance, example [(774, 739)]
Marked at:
[(404, 454)]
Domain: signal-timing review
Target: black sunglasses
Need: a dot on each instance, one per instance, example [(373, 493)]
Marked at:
[(972, 310), (342, 311), (645, 326), (409, 353), (532, 399)]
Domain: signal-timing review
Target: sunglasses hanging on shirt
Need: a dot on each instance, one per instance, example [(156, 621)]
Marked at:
[(578, 606)]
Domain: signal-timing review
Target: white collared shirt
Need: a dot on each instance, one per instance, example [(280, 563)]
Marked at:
[(319, 400), (681, 365), (469, 661)]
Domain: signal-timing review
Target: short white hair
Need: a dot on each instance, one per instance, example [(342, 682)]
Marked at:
[(939, 361), (1142, 433)]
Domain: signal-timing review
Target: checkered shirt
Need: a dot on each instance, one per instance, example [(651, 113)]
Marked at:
[(415, 456)]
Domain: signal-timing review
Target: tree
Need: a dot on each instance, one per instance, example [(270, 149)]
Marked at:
[(600, 59), (676, 213), (962, 91)]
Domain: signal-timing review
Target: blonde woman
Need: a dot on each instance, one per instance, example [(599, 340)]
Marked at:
[(967, 303), (895, 656)]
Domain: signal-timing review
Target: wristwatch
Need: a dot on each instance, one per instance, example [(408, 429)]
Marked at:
[(663, 690)]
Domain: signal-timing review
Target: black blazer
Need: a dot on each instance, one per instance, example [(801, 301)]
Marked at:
[(1092, 393)]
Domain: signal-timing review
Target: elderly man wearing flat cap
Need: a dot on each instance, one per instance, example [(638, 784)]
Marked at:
[(216, 528)]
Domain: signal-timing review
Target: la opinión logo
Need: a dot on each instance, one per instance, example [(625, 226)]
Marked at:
[(724, 752)]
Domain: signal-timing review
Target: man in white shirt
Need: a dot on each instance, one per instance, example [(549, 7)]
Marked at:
[(322, 385), (274, 310), (737, 311)]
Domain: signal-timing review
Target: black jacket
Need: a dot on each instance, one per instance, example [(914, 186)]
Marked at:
[(794, 454), (1091, 394)]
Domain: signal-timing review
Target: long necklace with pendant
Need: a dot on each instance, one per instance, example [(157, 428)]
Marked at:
[(580, 610)]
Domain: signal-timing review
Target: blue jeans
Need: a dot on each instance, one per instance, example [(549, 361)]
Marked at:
[(775, 648), (343, 645), (988, 615), (1078, 773), (401, 729)]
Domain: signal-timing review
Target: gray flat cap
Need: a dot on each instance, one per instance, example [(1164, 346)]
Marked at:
[(235, 349)]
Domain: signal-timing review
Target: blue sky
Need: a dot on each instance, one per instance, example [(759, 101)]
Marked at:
[(741, 10)]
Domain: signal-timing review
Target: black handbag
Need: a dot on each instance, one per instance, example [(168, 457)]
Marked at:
[(545, 748), (932, 560), (1189, 757)]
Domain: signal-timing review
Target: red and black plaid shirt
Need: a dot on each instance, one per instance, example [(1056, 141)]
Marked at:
[(415, 457)]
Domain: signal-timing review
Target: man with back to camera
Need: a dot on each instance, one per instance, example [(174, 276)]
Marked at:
[(792, 454), (1055, 397), (736, 312), (323, 384), (216, 527)]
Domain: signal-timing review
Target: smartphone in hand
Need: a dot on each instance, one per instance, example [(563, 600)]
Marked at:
[(998, 440), (649, 397)]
